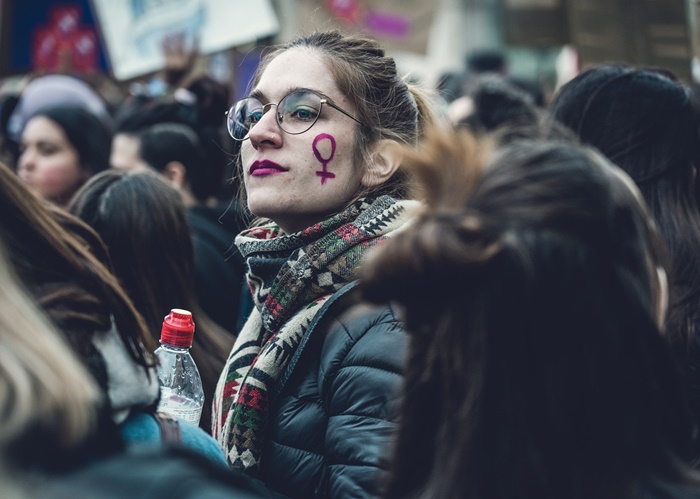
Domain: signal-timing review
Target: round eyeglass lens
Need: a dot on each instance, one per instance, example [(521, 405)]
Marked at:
[(243, 116), (298, 111)]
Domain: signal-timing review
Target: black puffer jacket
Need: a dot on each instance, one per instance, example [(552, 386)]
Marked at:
[(335, 409)]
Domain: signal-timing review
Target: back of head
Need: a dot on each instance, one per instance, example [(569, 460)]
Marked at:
[(90, 137), (165, 143), (389, 107), (134, 117), (498, 105), (647, 123), (211, 97), (642, 120), (142, 221), (555, 316), (533, 88)]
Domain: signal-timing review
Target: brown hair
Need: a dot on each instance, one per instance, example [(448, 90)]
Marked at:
[(143, 222), (529, 290), (65, 265), (41, 381)]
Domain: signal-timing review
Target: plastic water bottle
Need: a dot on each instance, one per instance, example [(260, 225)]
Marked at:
[(181, 395)]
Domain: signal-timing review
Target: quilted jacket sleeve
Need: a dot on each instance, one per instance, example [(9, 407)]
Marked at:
[(360, 380)]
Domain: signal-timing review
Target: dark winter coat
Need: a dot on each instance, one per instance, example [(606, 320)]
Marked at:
[(334, 411)]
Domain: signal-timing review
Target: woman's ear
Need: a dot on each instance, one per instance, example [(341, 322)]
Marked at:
[(175, 172), (386, 159)]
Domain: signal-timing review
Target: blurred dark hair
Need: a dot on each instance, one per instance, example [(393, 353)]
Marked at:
[(536, 366), (143, 222), (138, 114), (88, 134), (66, 267), (142, 114), (497, 103), (531, 87), (167, 142), (647, 123), (485, 60)]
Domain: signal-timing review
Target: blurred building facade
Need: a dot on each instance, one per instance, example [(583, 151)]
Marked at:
[(535, 34)]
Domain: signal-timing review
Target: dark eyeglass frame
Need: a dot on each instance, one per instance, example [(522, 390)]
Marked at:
[(323, 100)]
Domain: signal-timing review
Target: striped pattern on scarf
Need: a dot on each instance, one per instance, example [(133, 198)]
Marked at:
[(290, 277)]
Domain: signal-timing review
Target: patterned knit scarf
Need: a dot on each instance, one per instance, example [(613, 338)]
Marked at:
[(290, 276)]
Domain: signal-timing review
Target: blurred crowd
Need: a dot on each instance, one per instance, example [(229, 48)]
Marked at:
[(483, 289)]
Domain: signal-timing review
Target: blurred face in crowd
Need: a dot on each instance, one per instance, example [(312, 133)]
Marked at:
[(48, 163), (125, 153)]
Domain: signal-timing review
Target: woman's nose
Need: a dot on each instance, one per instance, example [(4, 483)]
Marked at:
[(267, 131), (25, 161)]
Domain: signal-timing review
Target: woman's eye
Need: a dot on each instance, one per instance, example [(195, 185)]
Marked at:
[(46, 150), (303, 114)]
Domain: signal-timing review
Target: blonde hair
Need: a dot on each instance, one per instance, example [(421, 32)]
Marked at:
[(41, 380)]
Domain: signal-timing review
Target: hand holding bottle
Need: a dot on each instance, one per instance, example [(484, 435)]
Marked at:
[(182, 395)]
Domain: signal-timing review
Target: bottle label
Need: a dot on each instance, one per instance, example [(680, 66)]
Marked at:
[(180, 407)]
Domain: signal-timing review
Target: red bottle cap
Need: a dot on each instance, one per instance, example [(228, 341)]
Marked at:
[(178, 329)]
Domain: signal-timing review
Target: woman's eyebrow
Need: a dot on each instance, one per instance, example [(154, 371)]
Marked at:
[(315, 91), (257, 94), (260, 95)]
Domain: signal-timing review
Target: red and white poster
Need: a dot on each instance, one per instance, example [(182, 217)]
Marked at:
[(64, 43)]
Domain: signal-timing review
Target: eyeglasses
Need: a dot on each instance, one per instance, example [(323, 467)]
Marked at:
[(296, 113)]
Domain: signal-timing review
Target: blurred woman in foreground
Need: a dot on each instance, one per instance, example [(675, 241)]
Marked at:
[(544, 368)]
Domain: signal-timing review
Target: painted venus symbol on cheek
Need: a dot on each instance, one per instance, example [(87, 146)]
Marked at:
[(324, 150)]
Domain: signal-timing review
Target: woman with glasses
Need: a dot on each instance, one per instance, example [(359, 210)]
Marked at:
[(306, 398)]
